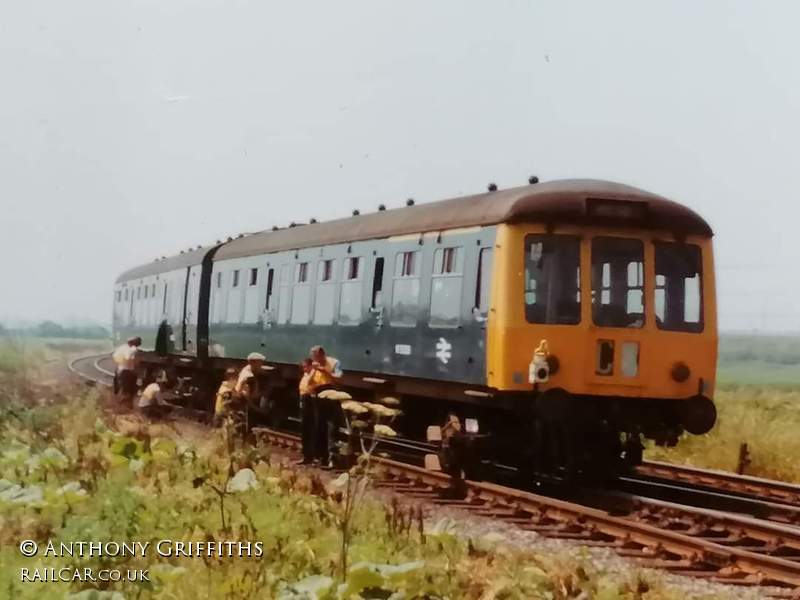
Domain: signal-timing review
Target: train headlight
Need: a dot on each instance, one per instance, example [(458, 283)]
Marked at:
[(680, 372), (539, 367), (538, 370)]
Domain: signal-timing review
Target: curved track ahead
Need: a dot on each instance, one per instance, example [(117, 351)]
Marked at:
[(96, 368), (690, 541)]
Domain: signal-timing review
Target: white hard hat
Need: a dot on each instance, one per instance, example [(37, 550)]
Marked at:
[(256, 356)]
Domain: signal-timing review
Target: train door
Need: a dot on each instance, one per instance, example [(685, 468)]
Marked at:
[(378, 311), (192, 308)]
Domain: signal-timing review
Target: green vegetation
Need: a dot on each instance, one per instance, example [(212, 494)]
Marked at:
[(69, 471)]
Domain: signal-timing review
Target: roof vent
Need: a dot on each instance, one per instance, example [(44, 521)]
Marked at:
[(181, 251), (410, 202), (312, 220), (356, 212), (230, 239), (275, 228), (199, 247), (533, 179), (240, 236), (292, 224), (492, 187), (381, 207)]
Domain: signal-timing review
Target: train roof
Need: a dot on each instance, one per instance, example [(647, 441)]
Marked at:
[(165, 265), (565, 201)]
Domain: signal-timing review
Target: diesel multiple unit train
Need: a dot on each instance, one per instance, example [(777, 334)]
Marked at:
[(444, 305)]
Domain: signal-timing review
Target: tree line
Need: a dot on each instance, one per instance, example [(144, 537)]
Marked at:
[(51, 329)]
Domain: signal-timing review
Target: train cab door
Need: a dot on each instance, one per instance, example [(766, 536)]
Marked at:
[(617, 311)]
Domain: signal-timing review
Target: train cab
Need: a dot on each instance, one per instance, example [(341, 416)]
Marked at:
[(623, 295)]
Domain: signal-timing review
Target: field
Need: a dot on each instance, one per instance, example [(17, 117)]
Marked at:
[(72, 470), (772, 361)]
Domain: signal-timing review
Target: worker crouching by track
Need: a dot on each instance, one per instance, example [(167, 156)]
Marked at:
[(152, 403)]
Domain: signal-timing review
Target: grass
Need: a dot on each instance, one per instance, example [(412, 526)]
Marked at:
[(85, 475)]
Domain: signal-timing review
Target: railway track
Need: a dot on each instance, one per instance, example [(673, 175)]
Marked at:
[(744, 486), (95, 368), (686, 541), (711, 544)]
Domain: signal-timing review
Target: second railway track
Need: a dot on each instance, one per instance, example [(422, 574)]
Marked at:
[(722, 481), (691, 541)]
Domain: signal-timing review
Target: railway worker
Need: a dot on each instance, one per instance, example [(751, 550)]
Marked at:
[(226, 397), (151, 401), (126, 377), (327, 373), (247, 385), (244, 386), (309, 413)]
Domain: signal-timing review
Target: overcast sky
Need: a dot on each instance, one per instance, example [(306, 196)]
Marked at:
[(129, 130)]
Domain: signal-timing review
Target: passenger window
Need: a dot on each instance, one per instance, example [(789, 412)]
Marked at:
[(325, 270), (405, 290), (301, 273), (353, 267), (446, 287), (448, 261), (552, 279), (284, 299), (350, 294), (164, 303), (254, 276), (153, 291), (377, 284), (483, 284), (618, 282), (145, 291), (301, 295), (235, 278), (270, 283), (216, 299), (126, 294), (326, 293), (678, 293)]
